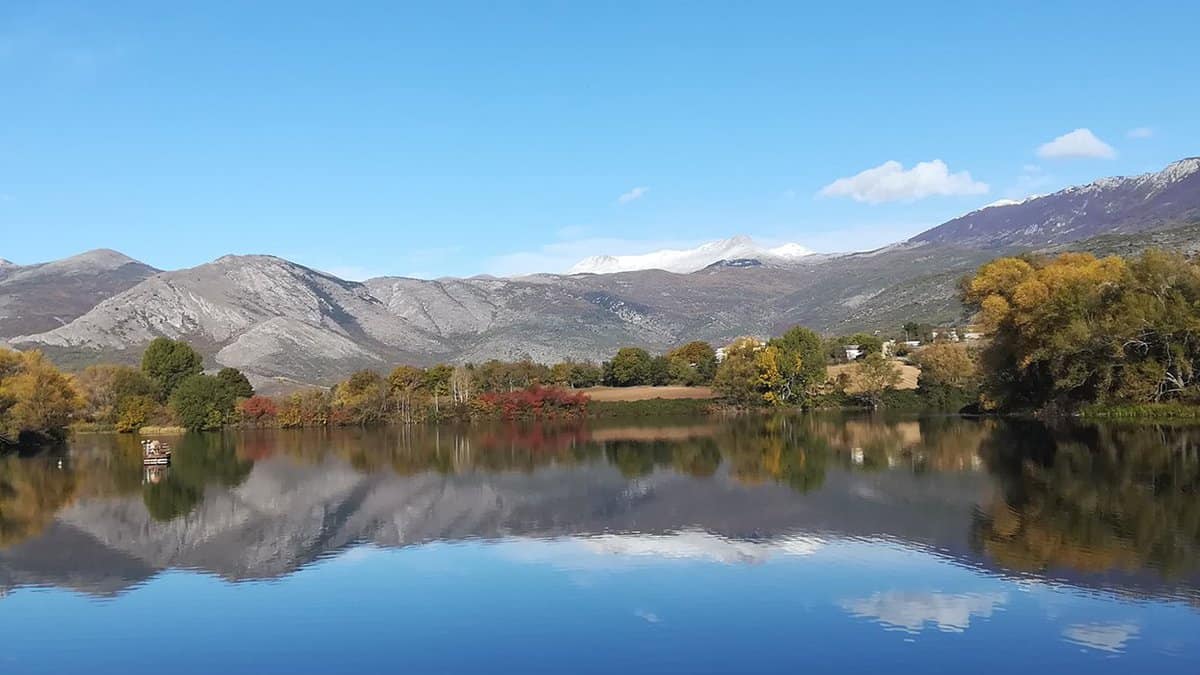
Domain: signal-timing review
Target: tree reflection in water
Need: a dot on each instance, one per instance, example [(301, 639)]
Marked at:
[(1089, 498), (1093, 498)]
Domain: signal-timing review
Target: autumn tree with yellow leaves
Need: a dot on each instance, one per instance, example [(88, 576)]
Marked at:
[(1077, 329), (36, 400)]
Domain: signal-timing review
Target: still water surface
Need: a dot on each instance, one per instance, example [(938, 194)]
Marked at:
[(789, 544)]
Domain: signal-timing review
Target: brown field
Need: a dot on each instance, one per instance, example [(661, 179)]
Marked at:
[(908, 374), (646, 393)]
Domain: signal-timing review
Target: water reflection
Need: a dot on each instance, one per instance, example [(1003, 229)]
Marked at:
[(1093, 499), (912, 612), (1105, 507), (864, 535)]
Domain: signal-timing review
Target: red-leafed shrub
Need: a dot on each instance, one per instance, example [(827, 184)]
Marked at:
[(536, 402), (258, 409)]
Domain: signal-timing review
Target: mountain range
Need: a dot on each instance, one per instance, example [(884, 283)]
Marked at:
[(278, 320)]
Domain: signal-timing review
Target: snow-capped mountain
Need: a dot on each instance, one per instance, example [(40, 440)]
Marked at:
[(688, 260), (1118, 205)]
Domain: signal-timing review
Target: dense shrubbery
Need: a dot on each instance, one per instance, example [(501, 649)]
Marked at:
[(535, 402)]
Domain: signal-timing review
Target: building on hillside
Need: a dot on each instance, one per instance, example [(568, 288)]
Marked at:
[(949, 334)]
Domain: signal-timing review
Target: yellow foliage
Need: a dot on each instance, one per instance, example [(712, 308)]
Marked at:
[(39, 398), (998, 276), (995, 310)]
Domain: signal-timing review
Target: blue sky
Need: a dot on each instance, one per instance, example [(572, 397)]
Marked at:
[(462, 138)]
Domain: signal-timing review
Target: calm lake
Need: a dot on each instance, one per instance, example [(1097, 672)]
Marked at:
[(782, 544)]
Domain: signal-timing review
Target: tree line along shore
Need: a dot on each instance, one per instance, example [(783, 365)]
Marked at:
[(1071, 334)]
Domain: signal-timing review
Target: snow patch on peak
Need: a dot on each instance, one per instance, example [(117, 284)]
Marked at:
[(688, 260), (1001, 202), (789, 251), (1007, 202), (1181, 169)]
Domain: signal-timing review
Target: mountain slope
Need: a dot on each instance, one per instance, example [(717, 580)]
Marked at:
[(269, 315), (36, 298), (1120, 205)]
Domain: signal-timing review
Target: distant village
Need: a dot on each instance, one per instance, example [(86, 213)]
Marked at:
[(915, 337)]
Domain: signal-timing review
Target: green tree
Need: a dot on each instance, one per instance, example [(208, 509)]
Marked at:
[(875, 375), (437, 383), (236, 381), (736, 379), (632, 366), (800, 359), (912, 330), (168, 362), (202, 402), (406, 386), (660, 371), (694, 363)]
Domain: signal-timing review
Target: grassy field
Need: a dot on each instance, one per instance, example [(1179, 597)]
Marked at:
[(646, 393)]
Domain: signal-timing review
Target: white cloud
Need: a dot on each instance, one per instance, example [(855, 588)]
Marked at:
[(1076, 144), (910, 612), (1105, 637), (634, 194), (1140, 132), (891, 182)]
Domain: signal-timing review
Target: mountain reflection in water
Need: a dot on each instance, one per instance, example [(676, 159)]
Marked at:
[(1110, 507)]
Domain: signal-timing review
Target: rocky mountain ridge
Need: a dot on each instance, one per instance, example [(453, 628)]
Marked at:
[(1110, 205), (40, 297)]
